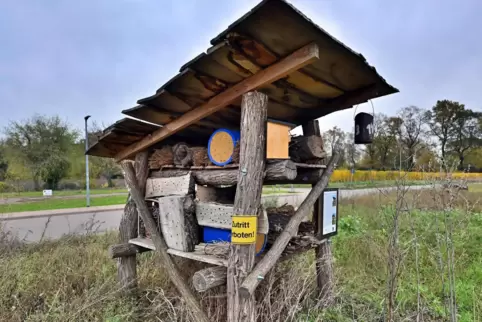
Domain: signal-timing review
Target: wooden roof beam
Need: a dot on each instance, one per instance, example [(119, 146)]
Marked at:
[(295, 61)]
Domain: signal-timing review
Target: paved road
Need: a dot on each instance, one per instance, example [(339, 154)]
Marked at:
[(34, 226)]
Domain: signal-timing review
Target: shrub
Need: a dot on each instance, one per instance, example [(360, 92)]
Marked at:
[(69, 186), (5, 187)]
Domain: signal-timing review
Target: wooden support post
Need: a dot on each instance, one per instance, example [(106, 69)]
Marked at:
[(323, 255), (254, 106), (272, 256), (302, 57), (161, 247), (127, 265)]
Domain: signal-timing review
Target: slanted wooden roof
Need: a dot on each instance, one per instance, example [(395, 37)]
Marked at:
[(339, 79)]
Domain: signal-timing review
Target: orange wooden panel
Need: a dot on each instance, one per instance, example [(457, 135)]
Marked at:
[(277, 141)]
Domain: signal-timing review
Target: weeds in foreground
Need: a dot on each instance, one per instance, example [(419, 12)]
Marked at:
[(438, 272)]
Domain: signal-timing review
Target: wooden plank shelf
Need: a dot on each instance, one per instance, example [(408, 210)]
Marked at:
[(198, 254)]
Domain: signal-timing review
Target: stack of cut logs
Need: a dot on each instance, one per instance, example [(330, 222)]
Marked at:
[(180, 155), (302, 149)]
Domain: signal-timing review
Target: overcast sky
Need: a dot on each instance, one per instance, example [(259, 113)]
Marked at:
[(97, 57)]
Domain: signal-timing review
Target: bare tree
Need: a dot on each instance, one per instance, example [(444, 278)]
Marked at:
[(334, 140), (467, 134), (352, 151), (441, 121), (411, 131), (385, 138)]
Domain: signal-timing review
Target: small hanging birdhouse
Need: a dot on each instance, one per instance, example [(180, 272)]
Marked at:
[(363, 128)]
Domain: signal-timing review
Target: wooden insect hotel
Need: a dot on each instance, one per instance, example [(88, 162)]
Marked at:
[(198, 152)]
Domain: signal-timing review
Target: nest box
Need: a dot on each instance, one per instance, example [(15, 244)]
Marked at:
[(222, 143)]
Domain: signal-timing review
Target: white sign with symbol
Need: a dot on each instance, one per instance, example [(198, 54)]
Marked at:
[(330, 205), (47, 193)]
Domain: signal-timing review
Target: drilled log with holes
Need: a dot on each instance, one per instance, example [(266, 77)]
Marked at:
[(178, 224)]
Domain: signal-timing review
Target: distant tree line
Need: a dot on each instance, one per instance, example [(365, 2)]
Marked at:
[(47, 150), (446, 136)]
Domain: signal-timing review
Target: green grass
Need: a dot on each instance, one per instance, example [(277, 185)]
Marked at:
[(271, 191), (360, 184), (52, 203), (59, 203), (475, 187), (58, 193), (361, 253), (61, 193), (73, 280)]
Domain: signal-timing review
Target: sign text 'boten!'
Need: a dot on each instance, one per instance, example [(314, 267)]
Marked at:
[(244, 229)]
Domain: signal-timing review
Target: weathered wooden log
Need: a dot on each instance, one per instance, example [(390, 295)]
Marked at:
[(178, 223), (219, 195), (276, 171), (254, 106), (127, 265), (161, 247), (208, 278), (125, 250), (304, 148), (324, 273), (279, 170), (271, 257)]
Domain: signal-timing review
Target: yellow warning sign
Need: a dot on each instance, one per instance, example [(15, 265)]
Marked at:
[(244, 229)]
